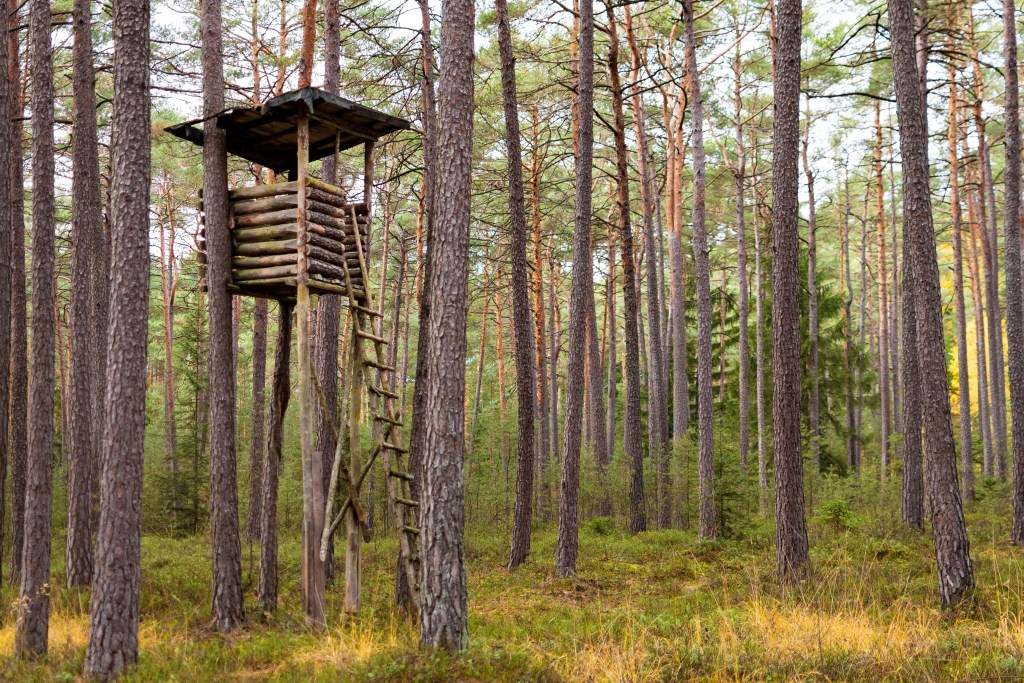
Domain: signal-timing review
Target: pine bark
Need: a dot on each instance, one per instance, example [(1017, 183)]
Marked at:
[(444, 614), (403, 597), (792, 562), (813, 401), (1011, 242), (657, 404), (543, 456), (168, 287), (224, 536), (741, 262), (328, 311), (33, 620), (522, 521), (86, 226), (279, 394), (956, 226), (762, 450), (978, 305), (952, 549), (19, 312), (632, 435), (705, 418), (10, 164), (581, 303), (258, 419), (677, 290), (883, 298), (990, 252), (114, 609)]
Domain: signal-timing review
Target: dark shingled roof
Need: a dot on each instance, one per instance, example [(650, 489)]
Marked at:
[(267, 135)]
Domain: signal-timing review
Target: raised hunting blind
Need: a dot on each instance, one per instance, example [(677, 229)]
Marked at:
[(304, 236)]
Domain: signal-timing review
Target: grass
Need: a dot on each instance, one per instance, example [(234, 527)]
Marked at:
[(657, 607)]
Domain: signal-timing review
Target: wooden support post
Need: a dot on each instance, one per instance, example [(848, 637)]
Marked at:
[(313, 583), (354, 546)]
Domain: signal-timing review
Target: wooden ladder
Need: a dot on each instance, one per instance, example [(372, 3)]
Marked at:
[(366, 329)]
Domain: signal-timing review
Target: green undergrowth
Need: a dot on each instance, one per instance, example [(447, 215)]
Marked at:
[(660, 606)]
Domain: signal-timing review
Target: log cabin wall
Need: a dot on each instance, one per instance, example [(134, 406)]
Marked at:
[(264, 231)]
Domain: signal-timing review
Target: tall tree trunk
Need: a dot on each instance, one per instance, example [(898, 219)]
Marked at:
[(417, 434), (86, 225), (604, 502), (657, 408), (1011, 241), (846, 284), (19, 312), (258, 420), (977, 299), (279, 394), (862, 328), (791, 525), (741, 260), (543, 456), (34, 604), (328, 310), (168, 287), (226, 547), (632, 436), (114, 609), (956, 225), (525, 341), (952, 547), (581, 302), (444, 615), (554, 347), (762, 450), (10, 165), (705, 419), (990, 252), (883, 297), (481, 355), (812, 299), (677, 290)]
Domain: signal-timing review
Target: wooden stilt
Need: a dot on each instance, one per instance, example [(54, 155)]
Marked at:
[(313, 506), (354, 546)]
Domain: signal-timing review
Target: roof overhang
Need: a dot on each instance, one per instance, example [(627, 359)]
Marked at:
[(268, 134)]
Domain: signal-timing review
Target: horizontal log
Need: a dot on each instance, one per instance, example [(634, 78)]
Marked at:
[(332, 287), (350, 259), (258, 191), (265, 204), (242, 262), (324, 186), (291, 216), (283, 258), (266, 218), (243, 274), (280, 239), (332, 271), (287, 246)]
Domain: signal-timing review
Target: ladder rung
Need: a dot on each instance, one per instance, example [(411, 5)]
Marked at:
[(393, 447), (371, 337), (391, 421), (380, 366), (364, 309), (400, 475), (382, 392), (406, 501), (410, 529)]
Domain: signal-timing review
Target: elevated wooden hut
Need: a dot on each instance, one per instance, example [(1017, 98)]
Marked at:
[(300, 237)]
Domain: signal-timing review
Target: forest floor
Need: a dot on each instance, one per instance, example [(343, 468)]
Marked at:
[(659, 606)]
